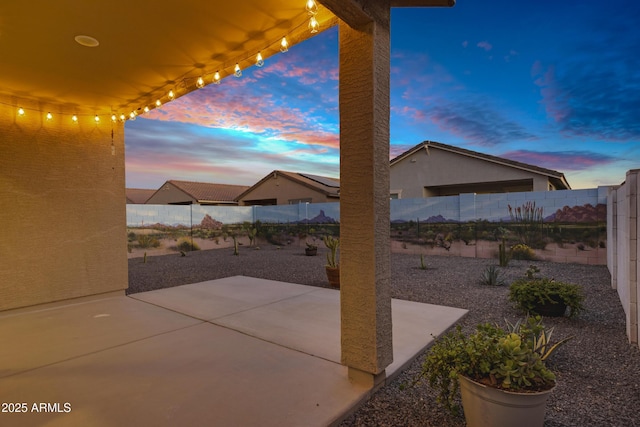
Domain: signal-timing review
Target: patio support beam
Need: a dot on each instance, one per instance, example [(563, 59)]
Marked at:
[(365, 295)]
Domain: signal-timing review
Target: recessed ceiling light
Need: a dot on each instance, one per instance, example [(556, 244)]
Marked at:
[(87, 41)]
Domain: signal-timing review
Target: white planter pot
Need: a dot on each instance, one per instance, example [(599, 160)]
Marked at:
[(491, 407)]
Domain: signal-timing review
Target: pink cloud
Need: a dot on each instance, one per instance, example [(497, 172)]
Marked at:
[(554, 99)]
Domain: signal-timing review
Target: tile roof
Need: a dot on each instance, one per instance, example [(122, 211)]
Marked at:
[(326, 185), (209, 192), (138, 196)]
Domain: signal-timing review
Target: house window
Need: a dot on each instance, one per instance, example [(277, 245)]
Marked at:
[(298, 201), (395, 194)]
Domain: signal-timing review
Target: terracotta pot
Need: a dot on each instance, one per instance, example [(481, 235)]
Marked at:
[(486, 406), (333, 274)]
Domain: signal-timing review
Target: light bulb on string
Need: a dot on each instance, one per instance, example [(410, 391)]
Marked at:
[(74, 118), (237, 71), (132, 115), (21, 111), (200, 83), (259, 60), (216, 78), (158, 103), (171, 95), (122, 117), (96, 118), (49, 115), (284, 45), (313, 25), (312, 7), (146, 109), (114, 118)]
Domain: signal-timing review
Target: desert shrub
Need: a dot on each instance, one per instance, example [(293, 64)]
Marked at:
[(491, 276), (146, 241), (522, 251), (184, 245)]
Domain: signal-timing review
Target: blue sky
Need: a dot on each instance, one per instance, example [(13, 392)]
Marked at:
[(553, 84)]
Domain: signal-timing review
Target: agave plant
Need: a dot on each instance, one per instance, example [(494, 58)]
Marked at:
[(491, 276)]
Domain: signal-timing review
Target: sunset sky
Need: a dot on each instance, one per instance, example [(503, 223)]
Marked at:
[(553, 84)]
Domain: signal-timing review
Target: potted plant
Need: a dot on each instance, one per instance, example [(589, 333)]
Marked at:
[(332, 267), (546, 297), (311, 249), (500, 372)]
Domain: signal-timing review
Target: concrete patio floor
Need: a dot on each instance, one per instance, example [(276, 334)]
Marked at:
[(237, 351)]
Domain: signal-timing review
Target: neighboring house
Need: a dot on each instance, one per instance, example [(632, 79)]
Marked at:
[(202, 193), (435, 169), (286, 188), (138, 196)]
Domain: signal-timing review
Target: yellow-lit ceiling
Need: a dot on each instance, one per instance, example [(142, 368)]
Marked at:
[(146, 48)]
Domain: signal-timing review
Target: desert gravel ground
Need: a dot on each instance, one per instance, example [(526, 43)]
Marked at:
[(598, 371)]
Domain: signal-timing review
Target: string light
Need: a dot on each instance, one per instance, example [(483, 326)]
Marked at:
[(313, 25), (284, 45), (312, 7)]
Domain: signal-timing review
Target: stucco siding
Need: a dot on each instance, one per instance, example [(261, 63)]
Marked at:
[(63, 213), (436, 167), (283, 189)]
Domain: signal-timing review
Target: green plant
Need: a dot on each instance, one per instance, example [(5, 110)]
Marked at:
[(510, 358), (311, 246), (251, 234), (332, 243), (184, 245), (147, 241), (236, 250), (531, 271), (529, 294), (503, 257), (423, 266), (491, 276), (522, 251)]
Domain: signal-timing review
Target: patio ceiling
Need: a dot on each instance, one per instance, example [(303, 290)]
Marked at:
[(146, 48)]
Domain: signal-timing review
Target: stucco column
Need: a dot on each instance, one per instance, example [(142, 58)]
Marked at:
[(365, 295)]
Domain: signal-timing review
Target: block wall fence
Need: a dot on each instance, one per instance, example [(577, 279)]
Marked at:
[(622, 242), (618, 250)]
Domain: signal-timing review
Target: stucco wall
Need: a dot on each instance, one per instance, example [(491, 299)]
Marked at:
[(437, 167), (283, 189), (62, 195)]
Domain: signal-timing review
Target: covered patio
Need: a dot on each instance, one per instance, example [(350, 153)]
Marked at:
[(234, 351), (72, 76)]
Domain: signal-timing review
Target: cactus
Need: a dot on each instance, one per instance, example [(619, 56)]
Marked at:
[(502, 254), (235, 245), (332, 244)]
